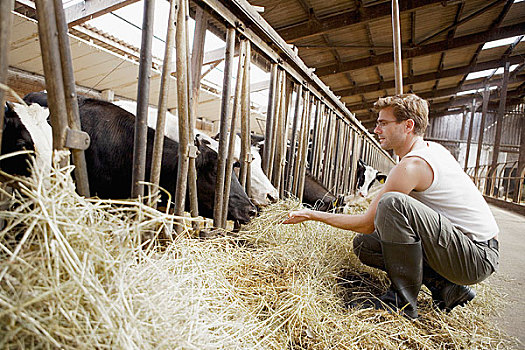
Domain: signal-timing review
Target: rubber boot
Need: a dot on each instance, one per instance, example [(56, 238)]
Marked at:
[(445, 294), (404, 266)]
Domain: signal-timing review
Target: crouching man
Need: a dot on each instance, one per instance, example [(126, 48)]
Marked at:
[(428, 225)]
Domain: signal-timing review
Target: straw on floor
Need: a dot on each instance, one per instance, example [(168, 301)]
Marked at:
[(86, 274)]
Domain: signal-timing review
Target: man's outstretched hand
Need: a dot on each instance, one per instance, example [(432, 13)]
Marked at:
[(295, 217)]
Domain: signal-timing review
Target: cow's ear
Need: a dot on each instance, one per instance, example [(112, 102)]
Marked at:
[(8, 107), (381, 178)]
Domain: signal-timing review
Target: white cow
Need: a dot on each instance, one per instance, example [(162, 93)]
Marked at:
[(263, 192)]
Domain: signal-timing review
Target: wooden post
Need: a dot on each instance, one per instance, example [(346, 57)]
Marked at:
[(298, 166), (270, 116), (521, 160), (223, 129), (194, 72), (181, 60), (396, 30), (313, 161), (79, 160), (167, 68), (463, 125), (141, 119), (48, 34), (486, 96), (272, 141), (231, 139), (6, 7), (469, 138)]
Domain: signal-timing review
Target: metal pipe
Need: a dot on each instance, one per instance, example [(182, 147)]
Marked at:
[(231, 138), (486, 97), (499, 120), (296, 170), (290, 166), (304, 151), (181, 61), (398, 64), (141, 119), (314, 136), (270, 116), (246, 156), (223, 128), (167, 68), (5, 34), (274, 137), (47, 32), (469, 138), (79, 159)]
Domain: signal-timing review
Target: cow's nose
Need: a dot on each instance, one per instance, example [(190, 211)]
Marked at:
[(271, 198), (252, 212)]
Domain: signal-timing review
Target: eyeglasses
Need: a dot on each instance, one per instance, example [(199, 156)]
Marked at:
[(382, 123)]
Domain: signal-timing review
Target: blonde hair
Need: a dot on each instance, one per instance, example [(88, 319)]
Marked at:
[(407, 106)]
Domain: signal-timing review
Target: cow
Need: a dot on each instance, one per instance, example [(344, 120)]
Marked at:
[(109, 158), (366, 176), (316, 195), (263, 192)]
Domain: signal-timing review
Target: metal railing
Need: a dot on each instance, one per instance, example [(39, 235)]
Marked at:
[(503, 182)]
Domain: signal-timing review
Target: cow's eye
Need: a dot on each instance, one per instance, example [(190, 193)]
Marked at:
[(236, 165)]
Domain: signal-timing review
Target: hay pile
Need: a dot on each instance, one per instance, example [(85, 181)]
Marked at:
[(77, 273)]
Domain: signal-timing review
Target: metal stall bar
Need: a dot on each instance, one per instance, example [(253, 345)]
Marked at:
[(6, 6), (356, 150), (313, 159), (223, 128), (231, 138), (326, 140), (181, 61), (76, 140), (486, 96), (278, 136), (141, 119), (277, 50), (167, 68), (304, 148), (48, 34), (336, 154), (272, 141), (246, 156), (299, 150), (320, 141), (270, 116), (194, 76), (289, 173), (282, 139), (469, 137), (499, 124)]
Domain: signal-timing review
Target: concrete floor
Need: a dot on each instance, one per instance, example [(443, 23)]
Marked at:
[(510, 279)]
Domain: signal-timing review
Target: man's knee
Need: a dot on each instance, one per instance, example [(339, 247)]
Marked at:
[(390, 204), (367, 248)]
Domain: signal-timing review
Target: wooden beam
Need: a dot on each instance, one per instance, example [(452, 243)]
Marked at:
[(86, 10), (418, 51), (305, 29), (436, 93), (447, 73)]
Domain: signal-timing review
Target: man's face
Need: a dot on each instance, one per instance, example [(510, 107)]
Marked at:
[(389, 130)]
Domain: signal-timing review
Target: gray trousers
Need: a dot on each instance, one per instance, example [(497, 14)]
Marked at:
[(448, 251)]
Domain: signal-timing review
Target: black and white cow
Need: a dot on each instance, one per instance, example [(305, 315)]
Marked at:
[(366, 176), (110, 156)]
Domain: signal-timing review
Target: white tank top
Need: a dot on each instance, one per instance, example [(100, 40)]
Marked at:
[(454, 195)]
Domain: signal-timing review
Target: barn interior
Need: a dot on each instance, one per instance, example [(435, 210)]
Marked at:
[(466, 57)]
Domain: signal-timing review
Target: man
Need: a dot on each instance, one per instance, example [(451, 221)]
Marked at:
[(429, 224)]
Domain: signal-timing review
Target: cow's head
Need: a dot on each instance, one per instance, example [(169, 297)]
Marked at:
[(263, 192), (25, 128), (240, 208), (366, 176)]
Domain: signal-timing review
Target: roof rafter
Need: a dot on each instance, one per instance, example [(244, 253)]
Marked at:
[(447, 73), (437, 47), (338, 21)]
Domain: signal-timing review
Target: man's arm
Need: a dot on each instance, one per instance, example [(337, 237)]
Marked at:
[(411, 173)]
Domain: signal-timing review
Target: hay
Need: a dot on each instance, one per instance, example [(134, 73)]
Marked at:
[(83, 274)]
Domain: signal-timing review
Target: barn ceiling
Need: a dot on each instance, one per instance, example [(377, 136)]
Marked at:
[(349, 43)]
